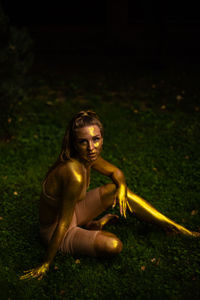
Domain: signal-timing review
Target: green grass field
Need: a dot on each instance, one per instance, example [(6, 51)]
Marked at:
[(152, 132)]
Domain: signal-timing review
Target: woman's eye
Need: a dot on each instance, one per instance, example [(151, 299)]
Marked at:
[(82, 142), (96, 139)]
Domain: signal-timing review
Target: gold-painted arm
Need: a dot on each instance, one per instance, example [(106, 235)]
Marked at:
[(118, 178), (71, 193)]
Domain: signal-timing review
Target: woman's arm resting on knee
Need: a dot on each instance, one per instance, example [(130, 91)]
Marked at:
[(117, 176), (70, 195)]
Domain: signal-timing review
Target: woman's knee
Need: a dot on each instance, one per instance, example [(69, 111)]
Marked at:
[(107, 244), (107, 193)]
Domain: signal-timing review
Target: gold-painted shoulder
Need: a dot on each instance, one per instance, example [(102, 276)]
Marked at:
[(71, 170)]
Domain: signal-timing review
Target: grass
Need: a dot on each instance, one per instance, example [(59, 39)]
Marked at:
[(153, 136)]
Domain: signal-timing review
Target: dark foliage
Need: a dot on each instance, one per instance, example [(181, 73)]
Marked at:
[(15, 60)]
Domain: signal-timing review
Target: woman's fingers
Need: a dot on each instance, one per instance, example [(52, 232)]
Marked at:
[(27, 276), (114, 203), (124, 208), (35, 273), (130, 208), (28, 271), (40, 277), (122, 200), (125, 202), (120, 206)]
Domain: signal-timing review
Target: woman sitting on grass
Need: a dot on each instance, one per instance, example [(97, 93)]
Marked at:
[(67, 210)]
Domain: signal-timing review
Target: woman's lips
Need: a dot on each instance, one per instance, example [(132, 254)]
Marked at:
[(91, 154)]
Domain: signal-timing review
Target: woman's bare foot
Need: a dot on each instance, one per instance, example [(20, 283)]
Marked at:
[(182, 230), (99, 224), (195, 234)]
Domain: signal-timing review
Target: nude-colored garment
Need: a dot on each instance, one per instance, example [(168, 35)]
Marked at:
[(78, 240)]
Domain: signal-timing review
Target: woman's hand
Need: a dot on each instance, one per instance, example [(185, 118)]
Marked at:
[(121, 197), (38, 272)]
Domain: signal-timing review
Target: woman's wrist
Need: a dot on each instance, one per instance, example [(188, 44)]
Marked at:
[(118, 178)]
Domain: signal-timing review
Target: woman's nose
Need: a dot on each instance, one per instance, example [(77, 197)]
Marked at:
[(90, 146)]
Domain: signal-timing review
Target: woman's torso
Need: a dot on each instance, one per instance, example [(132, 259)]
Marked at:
[(50, 199)]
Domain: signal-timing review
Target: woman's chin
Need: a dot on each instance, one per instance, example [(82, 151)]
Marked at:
[(92, 158)]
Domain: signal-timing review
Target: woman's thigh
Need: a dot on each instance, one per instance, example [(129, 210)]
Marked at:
[(89, 208), (82, 242), (79, 242), (108, 194), (95, 202)]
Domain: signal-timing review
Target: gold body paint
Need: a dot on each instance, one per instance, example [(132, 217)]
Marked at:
[(66, 185)]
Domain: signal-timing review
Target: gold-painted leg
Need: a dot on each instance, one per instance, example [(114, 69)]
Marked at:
[(145, 211), (107, 244), (99, 224)]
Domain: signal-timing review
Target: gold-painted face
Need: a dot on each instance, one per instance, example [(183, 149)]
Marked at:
[(88, 142)]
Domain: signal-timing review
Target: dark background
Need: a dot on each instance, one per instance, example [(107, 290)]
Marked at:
[(144, 31), (136, 63)]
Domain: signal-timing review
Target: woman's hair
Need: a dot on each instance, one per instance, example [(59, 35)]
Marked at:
[(81, 119)]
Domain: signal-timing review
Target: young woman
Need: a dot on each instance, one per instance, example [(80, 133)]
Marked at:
[(67, 210)]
